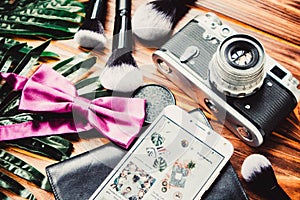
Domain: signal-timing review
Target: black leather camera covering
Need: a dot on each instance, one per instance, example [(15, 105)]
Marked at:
[(78, 177), (280, 103)]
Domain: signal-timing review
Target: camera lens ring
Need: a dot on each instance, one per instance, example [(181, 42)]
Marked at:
[(237, 68)]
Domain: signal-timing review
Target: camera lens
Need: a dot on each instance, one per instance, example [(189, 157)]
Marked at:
[(241, 55), (237, 68)]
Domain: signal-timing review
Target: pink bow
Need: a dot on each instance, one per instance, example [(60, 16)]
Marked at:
[(120, 119)]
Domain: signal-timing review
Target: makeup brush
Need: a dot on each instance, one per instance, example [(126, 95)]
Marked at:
[(258, 172), (155, 20), (91, 32), (121, 72)]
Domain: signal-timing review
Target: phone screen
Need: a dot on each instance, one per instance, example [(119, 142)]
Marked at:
[(169, 163)]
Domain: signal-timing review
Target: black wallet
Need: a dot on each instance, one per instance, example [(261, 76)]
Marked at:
[(78, 177)]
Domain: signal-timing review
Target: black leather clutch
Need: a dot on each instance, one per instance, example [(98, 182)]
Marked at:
[(78, 177)]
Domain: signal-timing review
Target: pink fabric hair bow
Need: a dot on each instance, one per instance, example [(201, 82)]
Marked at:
[(119, 119)]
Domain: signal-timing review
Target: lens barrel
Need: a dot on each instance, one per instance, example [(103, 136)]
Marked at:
[(237, 68)]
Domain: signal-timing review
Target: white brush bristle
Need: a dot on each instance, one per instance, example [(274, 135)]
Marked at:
[(254, 164), (149, 24), (123, 78), (90, 39)]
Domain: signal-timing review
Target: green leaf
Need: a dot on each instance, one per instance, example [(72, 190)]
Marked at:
[(4, 197), (18, 118), (86, 82), (69, 62), (52, 14), (75, 66), (10, 184), (50, 54), (62, 63), (22, 169), (57, 19), (29, 30), (30, 59), (10, 104), (54, 147), (79, 68), (6, 60), (70, 6), (44, 23), (18, 56)]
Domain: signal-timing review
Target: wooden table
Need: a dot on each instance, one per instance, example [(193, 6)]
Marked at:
[(275, 23)]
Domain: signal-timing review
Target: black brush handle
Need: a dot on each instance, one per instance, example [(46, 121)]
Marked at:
[(97, 10), (122, 26), (277, 193)]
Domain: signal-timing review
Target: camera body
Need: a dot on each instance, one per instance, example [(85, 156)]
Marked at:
[(230, 75)]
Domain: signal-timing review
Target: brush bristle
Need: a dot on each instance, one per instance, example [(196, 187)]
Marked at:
[(121, 73), (257, 170), (91, 34), (151, 24), (154, 21), (120, 57)]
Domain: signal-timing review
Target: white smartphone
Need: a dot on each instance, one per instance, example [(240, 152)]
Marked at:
[(177, 157)]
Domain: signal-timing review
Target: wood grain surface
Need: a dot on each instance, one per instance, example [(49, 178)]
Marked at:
[(275, 23), (278, 18)]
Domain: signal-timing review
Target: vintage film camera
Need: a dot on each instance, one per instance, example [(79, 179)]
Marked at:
[(229, 74)]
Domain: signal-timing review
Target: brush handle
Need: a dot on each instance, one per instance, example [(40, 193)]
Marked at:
[(122, 26), (97, 10), (277, 193)]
